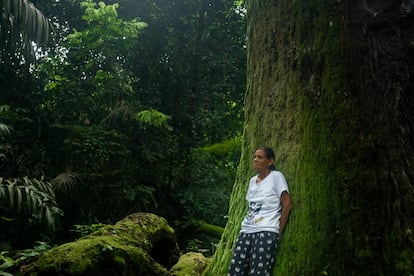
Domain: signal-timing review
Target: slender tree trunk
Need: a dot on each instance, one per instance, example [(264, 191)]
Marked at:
[(329, 88)]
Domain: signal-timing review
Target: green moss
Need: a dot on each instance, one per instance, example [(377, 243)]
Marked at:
[(209, 229), (190, 264), (133, 246), (119, 262), (406, 262), (90, 254)]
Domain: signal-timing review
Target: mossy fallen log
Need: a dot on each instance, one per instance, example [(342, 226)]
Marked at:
[(140, 244), (190, 264), (209, 229)]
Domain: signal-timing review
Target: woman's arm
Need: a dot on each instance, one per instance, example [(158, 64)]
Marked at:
[(286, 207)]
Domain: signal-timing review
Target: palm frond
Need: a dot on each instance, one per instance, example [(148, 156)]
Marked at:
[(122, 111), (33, 195), (11, 187), (49, 216), (2, 188), (4, 129), (19, 200), (21, 17), (65, 180)]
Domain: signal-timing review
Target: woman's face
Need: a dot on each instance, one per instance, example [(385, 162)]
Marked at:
[(261, 162)]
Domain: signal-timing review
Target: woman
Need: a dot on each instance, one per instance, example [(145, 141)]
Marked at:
[(269, 209)]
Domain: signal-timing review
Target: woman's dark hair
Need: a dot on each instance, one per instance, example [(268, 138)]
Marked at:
[(270, 154)]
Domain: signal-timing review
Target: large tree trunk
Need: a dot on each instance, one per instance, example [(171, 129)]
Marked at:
[(330, 89)]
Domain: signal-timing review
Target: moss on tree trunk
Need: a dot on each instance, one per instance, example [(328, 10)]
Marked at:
[(329, 88)]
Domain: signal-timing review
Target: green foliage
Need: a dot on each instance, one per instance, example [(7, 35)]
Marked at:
[(105, 30), (96, 168), (228, 150), (4, 129), (33, 195), (85, 230), (194, 246), (205, 196), (5, 261), (152, 117), (99, 127), (93, 148), (200, 237), (32, 253), (192, 67), (210, 181), (91, 79), (11, 261)]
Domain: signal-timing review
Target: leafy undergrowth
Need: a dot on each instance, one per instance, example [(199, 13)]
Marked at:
[(12, 261)]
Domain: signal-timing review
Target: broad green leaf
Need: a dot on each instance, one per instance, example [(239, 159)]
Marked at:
[(152, 117)]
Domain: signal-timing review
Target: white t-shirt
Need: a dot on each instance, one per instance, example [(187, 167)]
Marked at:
[(265, 204)]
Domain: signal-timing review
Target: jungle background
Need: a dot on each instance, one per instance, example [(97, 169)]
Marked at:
[(109, 109), (118, 107)]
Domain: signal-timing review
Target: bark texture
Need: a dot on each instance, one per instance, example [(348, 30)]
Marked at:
[(330, 88)]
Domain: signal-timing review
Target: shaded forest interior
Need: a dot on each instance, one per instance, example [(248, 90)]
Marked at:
[(133, 106)]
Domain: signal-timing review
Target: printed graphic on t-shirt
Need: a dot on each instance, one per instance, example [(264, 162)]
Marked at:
[(254, 209)]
